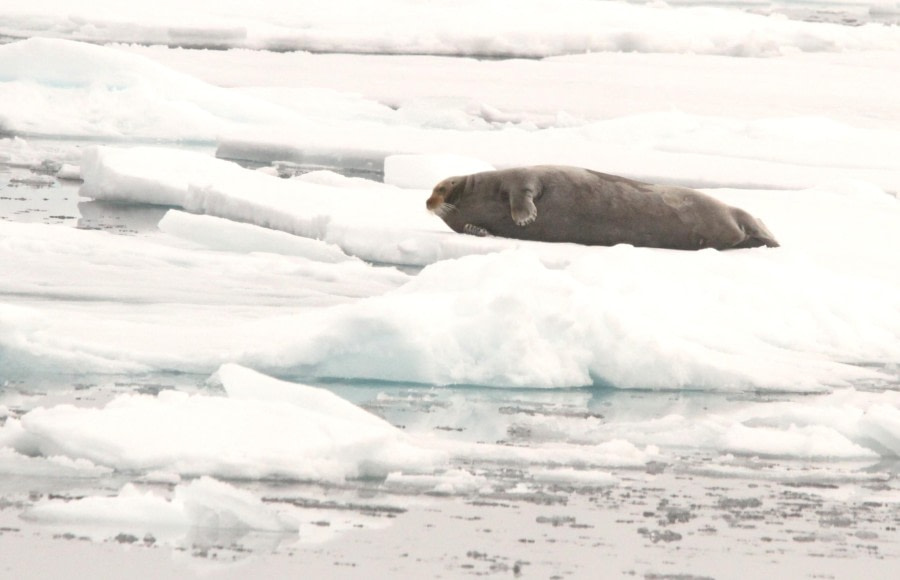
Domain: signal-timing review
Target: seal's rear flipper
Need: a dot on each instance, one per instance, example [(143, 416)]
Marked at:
[(757, 242), (757, 233)]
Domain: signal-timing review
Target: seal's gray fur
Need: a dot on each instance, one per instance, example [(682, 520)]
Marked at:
[(553, 203)]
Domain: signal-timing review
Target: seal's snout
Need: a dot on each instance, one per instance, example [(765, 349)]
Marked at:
[(435, 201), (442, 197), (438, 195)]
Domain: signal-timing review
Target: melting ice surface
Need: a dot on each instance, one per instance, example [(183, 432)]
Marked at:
[(227, 341)]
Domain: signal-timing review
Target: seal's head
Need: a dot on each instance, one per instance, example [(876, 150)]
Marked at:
[(444, 195)]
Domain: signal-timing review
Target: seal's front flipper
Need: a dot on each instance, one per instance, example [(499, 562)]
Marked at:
[(475, 230), (521, 206)]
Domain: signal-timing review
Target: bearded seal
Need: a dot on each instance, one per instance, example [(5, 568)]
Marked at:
[(553, 203)]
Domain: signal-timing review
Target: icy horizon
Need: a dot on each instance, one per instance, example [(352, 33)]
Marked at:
[(535, 29)]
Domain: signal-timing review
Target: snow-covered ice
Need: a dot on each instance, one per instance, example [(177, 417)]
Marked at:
[(255, 337), (785, 319)]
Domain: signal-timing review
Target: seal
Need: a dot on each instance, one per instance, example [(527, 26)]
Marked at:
[(554, 203)]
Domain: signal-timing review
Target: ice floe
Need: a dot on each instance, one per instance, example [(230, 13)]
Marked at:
[(305, 433), (204, 503)]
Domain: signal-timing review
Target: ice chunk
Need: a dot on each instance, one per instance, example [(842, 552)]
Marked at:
[(211, 503), (16, 464), (845, 424), (242, 383), (202, 503), (605, 452), (381, 224), (324, 439), (450, 482), (69, 172), (807, 441), (578, 477), (222, 234), (333, 179), (880, 428), (129, 506)]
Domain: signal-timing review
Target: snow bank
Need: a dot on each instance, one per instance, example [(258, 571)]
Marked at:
[(291, 431), (535, 28)]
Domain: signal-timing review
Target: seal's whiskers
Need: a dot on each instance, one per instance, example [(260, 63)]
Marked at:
[(444, 209)]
